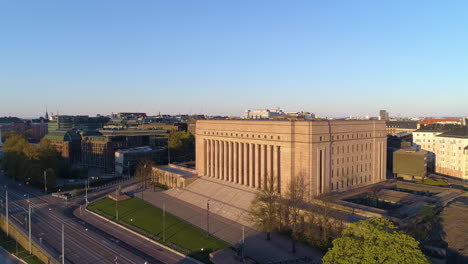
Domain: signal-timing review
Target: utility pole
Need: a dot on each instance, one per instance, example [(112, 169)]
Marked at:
[(164, 222), (143, 183), (86, 192), (116, 204), (243, 241), (63, 245), (7, 222), (29, 222), (45, 182), (208, 216)]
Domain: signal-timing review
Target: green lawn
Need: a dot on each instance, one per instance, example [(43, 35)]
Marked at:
[(436, 182), (148, 220), (10, 245)]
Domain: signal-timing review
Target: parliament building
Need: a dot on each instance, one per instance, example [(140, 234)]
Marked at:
[(328, 155)]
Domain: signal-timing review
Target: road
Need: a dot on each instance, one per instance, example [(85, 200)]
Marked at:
[(83, 243)]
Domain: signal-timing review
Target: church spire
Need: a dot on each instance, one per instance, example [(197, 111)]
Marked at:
[(46, 113)]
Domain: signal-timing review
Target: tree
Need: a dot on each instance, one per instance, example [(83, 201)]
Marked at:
[(143, 172), (264, 209), (27, 162), (293, 201), (374, 241), (181, 145)]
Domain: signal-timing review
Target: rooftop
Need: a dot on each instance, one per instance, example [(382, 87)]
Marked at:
[(428, 121), (179, 171), (139, 149), (460, 132), (438, 128), (411, 151)]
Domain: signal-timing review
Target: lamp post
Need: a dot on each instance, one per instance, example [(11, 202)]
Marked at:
[(86, 191), (116, 204), (164, 222), (7, 221), (45, 182), (143, 183), (63, 245), (208, 216), (29, 222)]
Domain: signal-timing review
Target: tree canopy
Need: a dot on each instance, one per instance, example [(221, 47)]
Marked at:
[(27, 162), (374, 241), (181, 146), (264, 209)]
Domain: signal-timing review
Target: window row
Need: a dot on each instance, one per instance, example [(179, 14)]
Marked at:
[(241, 135)]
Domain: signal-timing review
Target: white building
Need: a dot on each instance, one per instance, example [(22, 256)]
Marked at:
[(451, 150), (426, 139), (263, 113)]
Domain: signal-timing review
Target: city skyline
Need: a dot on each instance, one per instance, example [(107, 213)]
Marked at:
[(333, 58)]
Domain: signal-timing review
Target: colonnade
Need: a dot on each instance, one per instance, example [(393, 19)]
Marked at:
[(250, 164)]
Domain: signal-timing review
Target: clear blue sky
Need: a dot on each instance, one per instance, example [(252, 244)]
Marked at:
[(334, 58)]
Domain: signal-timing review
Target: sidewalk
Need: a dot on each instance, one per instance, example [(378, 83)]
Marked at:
[(256, 245)]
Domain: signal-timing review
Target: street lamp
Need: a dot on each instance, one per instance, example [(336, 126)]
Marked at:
[(164, 222), (116, 204), (45, 182), (208, 216), (143, 183)]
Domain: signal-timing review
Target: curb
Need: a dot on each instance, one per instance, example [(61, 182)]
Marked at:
[(144, 237)]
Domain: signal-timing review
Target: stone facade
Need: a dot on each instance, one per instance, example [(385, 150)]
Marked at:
[(329, 155)]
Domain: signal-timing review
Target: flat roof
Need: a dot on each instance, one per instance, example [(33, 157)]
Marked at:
[(139, 149), (183, 173)]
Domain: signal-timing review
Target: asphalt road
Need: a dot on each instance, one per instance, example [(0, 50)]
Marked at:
[(83, 243)]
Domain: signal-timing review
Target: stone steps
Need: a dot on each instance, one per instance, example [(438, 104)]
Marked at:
[(229, 200)]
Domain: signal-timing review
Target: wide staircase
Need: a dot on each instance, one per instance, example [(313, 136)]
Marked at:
[(229, 200)]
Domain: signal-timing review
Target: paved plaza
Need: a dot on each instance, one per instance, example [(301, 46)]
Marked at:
[(257, 247)]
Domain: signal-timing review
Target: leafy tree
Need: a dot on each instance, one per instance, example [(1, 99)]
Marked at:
[(374, 241), (181, 145), (27, 162), (264, 209)]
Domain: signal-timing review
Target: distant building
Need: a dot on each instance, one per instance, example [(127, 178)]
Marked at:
[(179, 126), (84, 123), (431, 121), (98, 148), (451, 150), (39, 130), (13, 124), (383, 115), (263, 113), (126, 160), (130, 115), (67, 143), (192, 126), (410, 163), (394, 127)]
